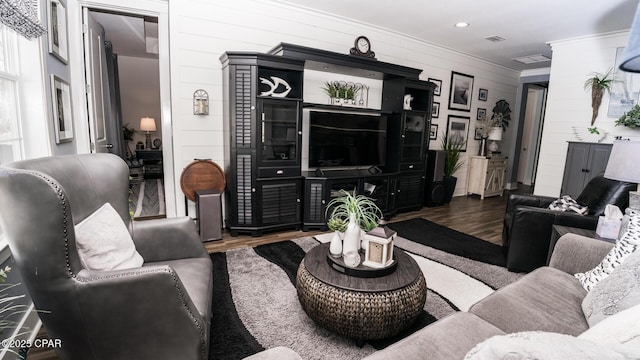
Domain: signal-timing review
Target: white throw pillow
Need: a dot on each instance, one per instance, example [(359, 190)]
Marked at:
[(622, 328), (547, 346), (104, 243), (628, 243), (617, 292)]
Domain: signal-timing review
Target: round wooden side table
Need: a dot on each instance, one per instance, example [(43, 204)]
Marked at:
[(356, 307)]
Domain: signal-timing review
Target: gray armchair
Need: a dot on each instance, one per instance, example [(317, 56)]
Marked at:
[(161, 310)]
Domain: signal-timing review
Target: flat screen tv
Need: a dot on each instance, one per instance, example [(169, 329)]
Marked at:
[(346, 140)]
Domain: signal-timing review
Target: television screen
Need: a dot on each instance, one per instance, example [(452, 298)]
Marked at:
[(346, 140)]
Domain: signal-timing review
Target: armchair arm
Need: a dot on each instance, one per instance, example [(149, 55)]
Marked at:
[(529, 238), (142, 313), (528, 200), (167, 239), (575, 253)]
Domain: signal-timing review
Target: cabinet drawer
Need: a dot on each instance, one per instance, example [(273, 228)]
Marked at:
[(277, 172), (497, 163)]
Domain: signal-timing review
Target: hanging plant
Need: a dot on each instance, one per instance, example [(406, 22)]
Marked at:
[(631, 118), (501, 114), (598, 84)]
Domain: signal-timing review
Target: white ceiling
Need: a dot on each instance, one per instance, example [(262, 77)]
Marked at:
[(527, 25)]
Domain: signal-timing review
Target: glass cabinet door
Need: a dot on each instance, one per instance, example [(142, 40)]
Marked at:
[(279, 131), (413, 141)]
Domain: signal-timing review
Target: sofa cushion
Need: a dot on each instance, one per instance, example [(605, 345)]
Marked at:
[(546, 346), (621, 328), (546, 299), (618, 292), (196, 275), (627, 244), (104, 243), (448, 338)]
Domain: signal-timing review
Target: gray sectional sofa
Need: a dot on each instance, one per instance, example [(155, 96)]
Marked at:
[(549, 299)]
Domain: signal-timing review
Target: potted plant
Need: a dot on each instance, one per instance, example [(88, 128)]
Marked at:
[(598, 84), (331, 89), (452, 163), (631, 118), (337, 225), (359, 212)]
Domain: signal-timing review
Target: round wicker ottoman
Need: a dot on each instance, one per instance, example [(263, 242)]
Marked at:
[(361, 308)]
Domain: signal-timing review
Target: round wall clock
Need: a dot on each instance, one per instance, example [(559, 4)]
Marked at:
[(362, 47)]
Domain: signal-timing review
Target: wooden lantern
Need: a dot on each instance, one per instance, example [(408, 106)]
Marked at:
[(379, 250)]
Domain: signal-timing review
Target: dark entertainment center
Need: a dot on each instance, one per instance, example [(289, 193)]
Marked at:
[(377, 152)]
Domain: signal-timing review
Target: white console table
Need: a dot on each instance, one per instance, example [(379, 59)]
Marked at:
[(486, 176)]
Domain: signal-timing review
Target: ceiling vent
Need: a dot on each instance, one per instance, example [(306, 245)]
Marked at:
[(495, 38), (532, 59)]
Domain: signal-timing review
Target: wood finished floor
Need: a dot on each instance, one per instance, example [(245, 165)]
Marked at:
[(467, 214)]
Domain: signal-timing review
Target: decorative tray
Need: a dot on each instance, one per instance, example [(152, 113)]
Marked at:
[(361, 270)]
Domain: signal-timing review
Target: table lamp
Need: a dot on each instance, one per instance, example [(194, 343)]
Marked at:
[(148, 124), (495, 135), (621, 167)]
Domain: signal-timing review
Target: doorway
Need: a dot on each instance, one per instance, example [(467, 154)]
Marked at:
[(124, 22), (531, 122)]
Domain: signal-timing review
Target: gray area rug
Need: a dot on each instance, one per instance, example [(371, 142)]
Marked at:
[(264, 297)]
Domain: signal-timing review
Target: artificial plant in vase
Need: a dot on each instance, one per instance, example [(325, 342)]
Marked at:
[(337, 225), (598, 83), (452, 162), (360, 212)]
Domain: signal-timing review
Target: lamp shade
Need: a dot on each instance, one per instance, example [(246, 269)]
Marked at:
[(631, 56), (495, 133), (147, 124), (621, 165)]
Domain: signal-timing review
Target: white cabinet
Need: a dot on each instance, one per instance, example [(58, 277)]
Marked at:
[(486, 176)]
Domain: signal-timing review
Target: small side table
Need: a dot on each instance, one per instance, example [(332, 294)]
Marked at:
[(559, 230)]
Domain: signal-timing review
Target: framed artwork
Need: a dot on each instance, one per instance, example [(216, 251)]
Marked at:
[(460, 92), (458, 130), (438, 83), (58, 30), (483, 94), (61, 100), (482, 113), (477, 135), (624, 92), (435, 110), (433, 132)]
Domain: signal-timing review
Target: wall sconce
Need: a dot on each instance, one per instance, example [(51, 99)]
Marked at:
[(200, 102)]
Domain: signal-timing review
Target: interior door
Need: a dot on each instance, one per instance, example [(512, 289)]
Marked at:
[(97, 84)]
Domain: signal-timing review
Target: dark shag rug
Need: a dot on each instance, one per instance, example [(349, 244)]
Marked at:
[(255, 305)]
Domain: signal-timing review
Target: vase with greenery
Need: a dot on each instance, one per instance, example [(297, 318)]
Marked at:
[(359, 212), (452, 163), (598, 83), (631, 118), (127, 134), (338, 226)]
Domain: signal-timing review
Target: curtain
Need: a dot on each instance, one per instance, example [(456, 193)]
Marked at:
[(22, 17)]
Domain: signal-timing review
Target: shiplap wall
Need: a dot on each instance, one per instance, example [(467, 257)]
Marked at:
[(200, 31), (569, 104)]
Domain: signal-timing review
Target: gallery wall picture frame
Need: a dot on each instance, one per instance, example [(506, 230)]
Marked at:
[(482, 113), (623, 96), (62, 116), (483, 94), (437, 90), (460, 93), (433, 132), (58, 40), (458, 130), (435, 110), (477, 134)]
